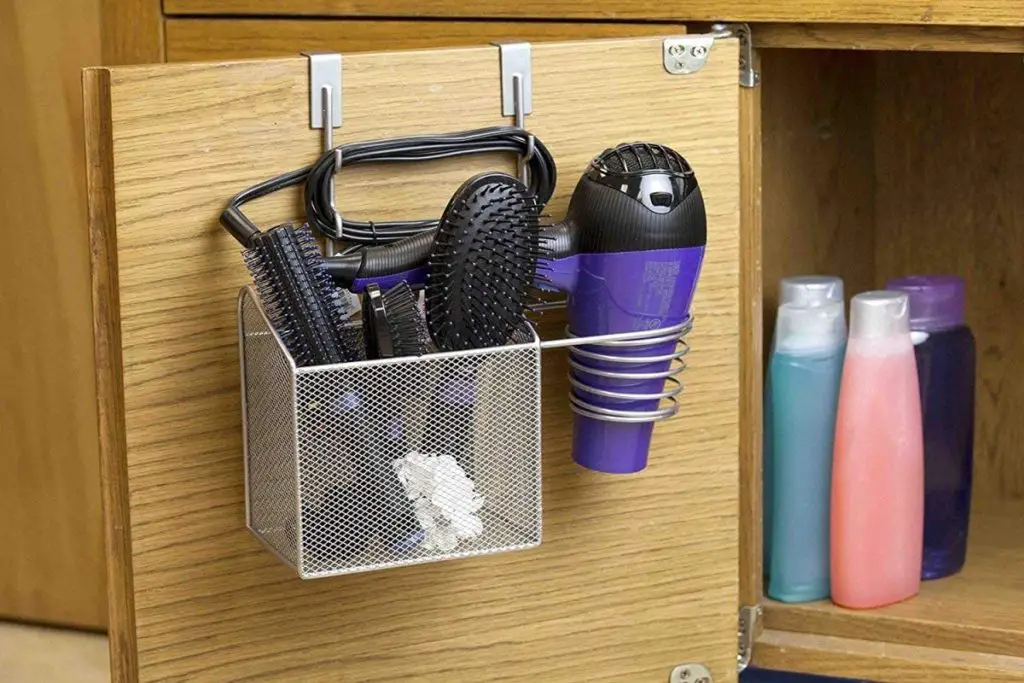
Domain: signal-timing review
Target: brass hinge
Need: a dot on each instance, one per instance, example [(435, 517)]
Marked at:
[(749, 614)]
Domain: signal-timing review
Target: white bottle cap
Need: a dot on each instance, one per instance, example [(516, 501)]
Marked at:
[(808, 290), (809, 329), (879, 315)]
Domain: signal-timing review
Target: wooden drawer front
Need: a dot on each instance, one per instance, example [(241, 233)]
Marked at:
[(926, 12)]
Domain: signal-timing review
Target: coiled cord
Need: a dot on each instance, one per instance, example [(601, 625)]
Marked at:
[(319, 178)]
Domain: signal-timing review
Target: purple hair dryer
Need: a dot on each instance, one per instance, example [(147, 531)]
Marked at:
[(629, 255)]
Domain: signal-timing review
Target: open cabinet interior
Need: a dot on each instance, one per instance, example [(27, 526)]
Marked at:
[(881, 164)]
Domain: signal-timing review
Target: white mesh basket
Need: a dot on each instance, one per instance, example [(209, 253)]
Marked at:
[(374, 464)]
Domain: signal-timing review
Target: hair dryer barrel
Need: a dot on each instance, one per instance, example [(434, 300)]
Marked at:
[(637, 229)]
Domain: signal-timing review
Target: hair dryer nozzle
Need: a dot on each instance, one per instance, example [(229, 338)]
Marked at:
[(638, 197)]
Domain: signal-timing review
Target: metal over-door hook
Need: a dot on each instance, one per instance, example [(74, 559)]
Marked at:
[(325, 113), (517, 93)]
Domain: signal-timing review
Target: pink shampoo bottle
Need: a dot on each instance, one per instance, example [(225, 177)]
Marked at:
[(877, 516)]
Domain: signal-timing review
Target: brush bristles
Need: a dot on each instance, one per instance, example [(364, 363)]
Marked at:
[(480, 277), (405, 321), (298, 295)]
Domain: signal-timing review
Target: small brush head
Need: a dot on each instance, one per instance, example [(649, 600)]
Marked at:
[(303, 305), (393, 324), (481, 270), (406, 324)]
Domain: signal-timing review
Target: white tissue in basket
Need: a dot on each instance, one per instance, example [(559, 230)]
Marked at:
[(444, 499)]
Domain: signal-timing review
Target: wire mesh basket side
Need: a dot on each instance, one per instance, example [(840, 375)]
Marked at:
[(268, 400), (418, 459)]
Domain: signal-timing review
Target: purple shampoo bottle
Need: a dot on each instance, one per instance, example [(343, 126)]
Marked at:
[(944, 350)]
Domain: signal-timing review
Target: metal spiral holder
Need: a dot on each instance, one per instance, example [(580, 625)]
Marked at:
[(598, 360), (598, 363)]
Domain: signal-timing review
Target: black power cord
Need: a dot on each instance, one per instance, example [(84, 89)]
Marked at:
[(319, 178)]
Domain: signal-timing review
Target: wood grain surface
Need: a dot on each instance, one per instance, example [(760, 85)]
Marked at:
[(881, 662), (916, 38), (208, 39), (949, 157), (51, 562), (108, 371), (959, 12), (818, 188), (133, 31), (978, 610), (636, 574), (751, 352)]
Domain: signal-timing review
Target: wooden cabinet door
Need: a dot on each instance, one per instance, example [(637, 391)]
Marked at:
[(636, 574)]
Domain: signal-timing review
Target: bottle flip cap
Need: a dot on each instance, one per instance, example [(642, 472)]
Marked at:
[(808, 290), (879, 314), (936, 301), (809, 328)]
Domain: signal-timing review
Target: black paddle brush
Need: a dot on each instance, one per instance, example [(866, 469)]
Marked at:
[(480, 282), (303, 305), (483, 263)]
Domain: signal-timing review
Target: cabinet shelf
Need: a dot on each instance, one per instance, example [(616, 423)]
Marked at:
[(979, 610)]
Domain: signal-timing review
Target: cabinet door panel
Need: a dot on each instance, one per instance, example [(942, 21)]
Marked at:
[(636, 574)]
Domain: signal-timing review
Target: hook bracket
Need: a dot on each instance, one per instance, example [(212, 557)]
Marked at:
[(324, 89), (517, 92), (325, 114)]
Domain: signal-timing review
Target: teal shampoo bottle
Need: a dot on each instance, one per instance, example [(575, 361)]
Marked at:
[(804, 373), (805, 290)]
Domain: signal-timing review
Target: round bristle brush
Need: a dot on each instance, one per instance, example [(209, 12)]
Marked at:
[(482, 265), (298, 295)]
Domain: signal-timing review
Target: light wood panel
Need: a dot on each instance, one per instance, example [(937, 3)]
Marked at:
[(207, 39), (108, 372), (636, 574), (862, 37), (978, 610), (818, 188), (51, 565), (882, 662), (751, 335), (949, 157), (963, 12), (133, 31)]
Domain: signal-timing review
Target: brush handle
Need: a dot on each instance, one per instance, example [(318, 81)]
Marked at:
[(450, 421), (395, 523), (334, 528)]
